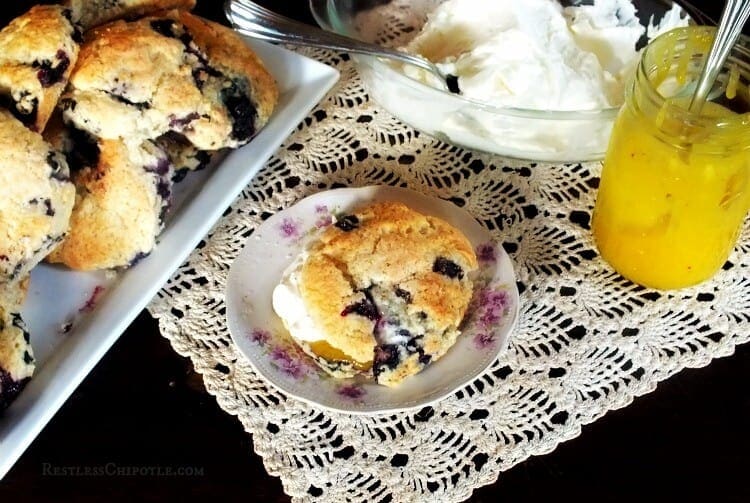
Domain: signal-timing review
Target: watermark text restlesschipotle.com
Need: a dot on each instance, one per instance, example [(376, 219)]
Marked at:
[(116, 470)]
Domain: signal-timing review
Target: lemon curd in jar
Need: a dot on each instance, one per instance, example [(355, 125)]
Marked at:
[(675, 186)]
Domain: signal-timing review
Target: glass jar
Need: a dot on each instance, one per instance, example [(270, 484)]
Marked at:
[(675, 186)]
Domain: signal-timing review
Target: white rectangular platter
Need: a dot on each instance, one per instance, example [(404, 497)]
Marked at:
[(57, 296)]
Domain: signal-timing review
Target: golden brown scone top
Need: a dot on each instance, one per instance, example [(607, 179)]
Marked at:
[(389, 248), (37, 53), (134, 59), (393, 243), (44, 29), (37, 198), (117, 213), (230, 54), (142, 79), (327, 291)]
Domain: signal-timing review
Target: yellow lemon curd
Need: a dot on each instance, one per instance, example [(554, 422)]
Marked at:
[(675, 187), (332, 354)]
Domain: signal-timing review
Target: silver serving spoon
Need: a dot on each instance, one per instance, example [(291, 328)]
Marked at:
[(733, 19), (252, 20)]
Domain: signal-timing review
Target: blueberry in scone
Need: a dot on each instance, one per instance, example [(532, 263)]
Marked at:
[(183, 155), (123, 192), (91, 13), (385, 288), (16, 355), (37, 53), (172, 73), (37, 198), (228, 71)]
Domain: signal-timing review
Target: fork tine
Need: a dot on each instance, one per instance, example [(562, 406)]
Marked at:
[(254, 10), (252, 20)]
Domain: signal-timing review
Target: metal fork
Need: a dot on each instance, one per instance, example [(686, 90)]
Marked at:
[(252, 20)]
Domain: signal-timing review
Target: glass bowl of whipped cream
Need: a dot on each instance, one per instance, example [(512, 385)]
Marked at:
[(537, 79)]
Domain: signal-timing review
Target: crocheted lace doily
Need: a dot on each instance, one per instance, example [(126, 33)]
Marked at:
[(587, 341)]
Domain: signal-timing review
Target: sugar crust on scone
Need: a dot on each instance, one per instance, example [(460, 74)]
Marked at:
[(174, 73), (37, 53), (120, 204), (37, 200), (230, 55)]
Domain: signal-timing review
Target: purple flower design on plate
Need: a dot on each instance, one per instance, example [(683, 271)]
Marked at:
[(494, 306), (290, 364), (487, 252), (491, 306), (351, 391), (289, 228), (260, 336), (484, 340)]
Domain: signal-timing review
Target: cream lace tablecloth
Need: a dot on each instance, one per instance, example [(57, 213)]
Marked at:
[(587, 341)]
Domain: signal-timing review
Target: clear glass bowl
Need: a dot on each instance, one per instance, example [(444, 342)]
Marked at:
[(527, 134)]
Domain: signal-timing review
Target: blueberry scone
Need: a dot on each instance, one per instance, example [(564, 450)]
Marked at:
[(37, 54), (173, 73), (122, 194), (37, 198), (16, 355), (228, 72), (384, 289), (91, 13)]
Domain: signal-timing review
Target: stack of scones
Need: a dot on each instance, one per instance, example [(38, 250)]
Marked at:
[(104, 106)]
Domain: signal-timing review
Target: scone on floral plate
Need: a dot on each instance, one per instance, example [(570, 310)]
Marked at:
[(371, 300)]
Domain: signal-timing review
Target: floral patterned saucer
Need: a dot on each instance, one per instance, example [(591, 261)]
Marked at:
[(261, 337)]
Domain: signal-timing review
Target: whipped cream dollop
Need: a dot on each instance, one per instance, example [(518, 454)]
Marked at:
[(289, 306), (535, 54)]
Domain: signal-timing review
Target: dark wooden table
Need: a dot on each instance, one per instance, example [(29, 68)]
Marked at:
[(143, 406)]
